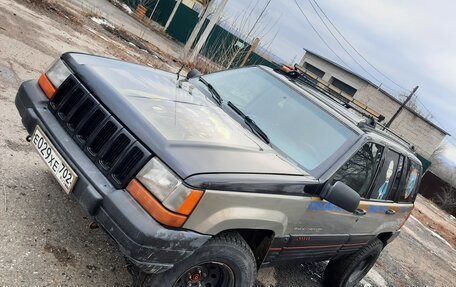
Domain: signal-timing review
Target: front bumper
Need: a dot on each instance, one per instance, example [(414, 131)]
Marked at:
[(145, 242)]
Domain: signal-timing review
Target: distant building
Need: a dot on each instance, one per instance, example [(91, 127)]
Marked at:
[(410, 125)]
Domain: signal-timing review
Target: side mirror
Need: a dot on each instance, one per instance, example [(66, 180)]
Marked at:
[(342, 196), (193, 73)]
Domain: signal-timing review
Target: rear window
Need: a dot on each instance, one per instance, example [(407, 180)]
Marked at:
[(410, 187)]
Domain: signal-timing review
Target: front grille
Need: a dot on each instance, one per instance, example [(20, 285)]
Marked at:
[(113, 149)]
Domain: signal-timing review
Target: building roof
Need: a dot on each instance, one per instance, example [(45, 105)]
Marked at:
[(376, 87)]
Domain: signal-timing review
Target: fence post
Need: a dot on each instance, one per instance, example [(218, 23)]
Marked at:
[(215, 17), (170, 19), (254, 45), (199, 25)]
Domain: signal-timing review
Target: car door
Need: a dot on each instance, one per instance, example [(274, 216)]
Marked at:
[(380, 212), (408, 189), (325, 228), (360, 174)]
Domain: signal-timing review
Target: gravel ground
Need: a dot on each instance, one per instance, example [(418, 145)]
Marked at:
[(45, 238)]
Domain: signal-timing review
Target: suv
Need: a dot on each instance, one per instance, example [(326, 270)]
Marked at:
[(202, 180)]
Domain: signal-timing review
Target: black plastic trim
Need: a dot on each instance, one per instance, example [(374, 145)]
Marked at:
[(153, 247)]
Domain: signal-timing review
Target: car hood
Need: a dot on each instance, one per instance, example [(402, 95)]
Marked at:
[(178, 123)]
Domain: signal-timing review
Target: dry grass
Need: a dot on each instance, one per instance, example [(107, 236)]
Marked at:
[(55, 8)]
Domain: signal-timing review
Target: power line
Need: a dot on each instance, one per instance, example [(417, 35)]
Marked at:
[(340, 44), (430, 113), (357, 52), (318, 34)]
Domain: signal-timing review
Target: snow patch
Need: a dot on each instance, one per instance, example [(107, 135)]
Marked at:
[(102, 21), (126, 8), (436, 235), (433, 233), (375, 278)]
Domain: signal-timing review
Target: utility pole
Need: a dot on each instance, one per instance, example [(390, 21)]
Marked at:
[(215, 17), (254, 45), (401, 107), (171, 17), (199, 25)]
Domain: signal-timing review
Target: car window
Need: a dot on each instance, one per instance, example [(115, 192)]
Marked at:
[(295, 125), (410, 188), (398, 181), (386, 176), (359, 172)]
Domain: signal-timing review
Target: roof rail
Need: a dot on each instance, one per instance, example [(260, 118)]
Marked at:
[(384, 131), (388, 132)]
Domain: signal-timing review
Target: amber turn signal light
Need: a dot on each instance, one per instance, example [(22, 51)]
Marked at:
[(190, 203), (46, 86), (153, 206)]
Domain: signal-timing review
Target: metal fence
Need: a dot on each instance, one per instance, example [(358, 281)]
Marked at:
[(221, 47)]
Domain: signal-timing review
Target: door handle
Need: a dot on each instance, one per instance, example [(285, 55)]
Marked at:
[(360, 211), (390, 212)]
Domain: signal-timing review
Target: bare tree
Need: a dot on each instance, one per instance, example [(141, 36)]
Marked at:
[(254, 21), (447, 197), (440, 165)]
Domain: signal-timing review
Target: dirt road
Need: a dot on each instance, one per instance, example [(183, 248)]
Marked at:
[(45, 239)]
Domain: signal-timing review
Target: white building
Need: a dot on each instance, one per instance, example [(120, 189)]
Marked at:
[(410, 125)]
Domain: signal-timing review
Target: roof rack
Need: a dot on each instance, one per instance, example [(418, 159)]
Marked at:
[(307, 77), (371, 117)]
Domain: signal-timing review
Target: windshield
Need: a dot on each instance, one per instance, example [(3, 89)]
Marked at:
[(294, 124)]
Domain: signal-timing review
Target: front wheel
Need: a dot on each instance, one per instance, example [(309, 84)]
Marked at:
[(348, 271), (224, 261)]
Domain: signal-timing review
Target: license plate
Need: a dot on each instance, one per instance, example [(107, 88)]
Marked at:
[(55, 162)]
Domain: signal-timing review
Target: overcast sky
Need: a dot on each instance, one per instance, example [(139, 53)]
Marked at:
[(412, 42)]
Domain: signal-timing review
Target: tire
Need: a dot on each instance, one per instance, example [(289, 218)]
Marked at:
[(348, 271), (225, 260)]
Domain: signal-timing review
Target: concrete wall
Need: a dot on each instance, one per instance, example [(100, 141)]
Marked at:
[(412, 128), (424, 136), (333, 71)]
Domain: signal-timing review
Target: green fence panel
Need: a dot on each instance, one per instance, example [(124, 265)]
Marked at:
[(426, 163), (183, 23), (162, 12), (218, 46)]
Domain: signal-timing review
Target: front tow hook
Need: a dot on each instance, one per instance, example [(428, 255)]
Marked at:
[(29, 138)]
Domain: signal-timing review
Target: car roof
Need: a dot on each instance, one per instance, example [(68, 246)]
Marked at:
[(357, 120)]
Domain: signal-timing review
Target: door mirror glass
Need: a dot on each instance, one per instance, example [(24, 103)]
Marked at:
[(342, 196), (193, 73)]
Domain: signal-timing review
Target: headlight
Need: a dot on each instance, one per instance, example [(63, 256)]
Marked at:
[(158, 179), (54, 77), (58, 73), (163, 195)]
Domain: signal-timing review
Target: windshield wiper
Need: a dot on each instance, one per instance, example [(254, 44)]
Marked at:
[(211, 89), (249, 122)]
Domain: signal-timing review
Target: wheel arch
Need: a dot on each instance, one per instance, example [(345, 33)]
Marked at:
[(384, 237), (259, 241)]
